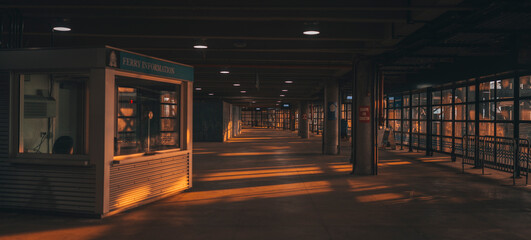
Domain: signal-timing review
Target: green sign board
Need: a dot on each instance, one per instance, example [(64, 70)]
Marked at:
[(137, 63)]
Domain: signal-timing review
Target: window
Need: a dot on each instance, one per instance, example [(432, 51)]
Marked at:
[(52, 113), (147, 116)]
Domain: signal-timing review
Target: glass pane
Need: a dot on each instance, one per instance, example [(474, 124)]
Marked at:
[(415, 113), (471, 93), (486, 91), (422, 126), (415, 126), (405, 126), (447, 112), (406, 113), (436, 113), (525, 130), (415, 100), (447, 96), (504, 130), (471, 108), (486, 111), (436, 143), (405, 141), (406, 100), (504, 110), (423, 99), (525, 110), (436, 128), (504, 88), (460, 129), (460, 112), (446, 145), (398, 102), (52, 113), (447, 128), (460, 95), (147, 116), (471, 128), (525, 86), (391, 102), (423, 113), (436, 98), (486, 129), (397, 127)]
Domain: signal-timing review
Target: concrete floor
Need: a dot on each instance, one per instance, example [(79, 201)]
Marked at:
[(271, 184)]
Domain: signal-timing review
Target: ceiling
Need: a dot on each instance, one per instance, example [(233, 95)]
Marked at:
[(262, 44)]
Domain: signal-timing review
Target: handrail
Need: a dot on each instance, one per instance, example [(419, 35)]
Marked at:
[(507, 149)]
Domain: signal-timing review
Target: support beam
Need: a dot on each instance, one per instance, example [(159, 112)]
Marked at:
[(304, 126), (331, 116), (364, 124)]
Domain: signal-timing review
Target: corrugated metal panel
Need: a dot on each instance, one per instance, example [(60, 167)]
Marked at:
[(133, 183), (53, 188), (4, 114)]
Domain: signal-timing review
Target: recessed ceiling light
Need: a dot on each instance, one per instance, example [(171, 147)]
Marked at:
[(282, 95), (243, 91), (224, 72), (62, 29), (211, 94), (311, 32), (198, 89), (200, 46), (284, 90), (236, 84), (288, 81)]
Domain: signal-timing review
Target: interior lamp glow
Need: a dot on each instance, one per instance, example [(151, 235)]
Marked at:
[(224, 72), (282, 95), (243, 91), (284, 90), (288, 81), (198, 89), (236, 84), (211, 94)]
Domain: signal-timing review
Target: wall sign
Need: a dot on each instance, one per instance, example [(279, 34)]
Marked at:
[(364, 114), (138, 63)]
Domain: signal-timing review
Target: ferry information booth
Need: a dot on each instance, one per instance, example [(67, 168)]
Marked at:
[(92, 131)]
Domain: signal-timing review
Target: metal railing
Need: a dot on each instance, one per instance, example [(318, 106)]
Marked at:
[(505, 154)]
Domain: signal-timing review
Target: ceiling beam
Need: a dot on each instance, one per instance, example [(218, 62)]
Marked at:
[(152, 36), (230, 8)]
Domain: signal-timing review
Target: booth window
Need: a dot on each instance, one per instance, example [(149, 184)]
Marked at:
[(147, 117), (52, 113)]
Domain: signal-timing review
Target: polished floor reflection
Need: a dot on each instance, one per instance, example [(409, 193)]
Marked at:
[(270, 184)]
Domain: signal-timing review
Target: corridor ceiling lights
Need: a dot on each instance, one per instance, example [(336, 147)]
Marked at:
[(284, 90), (282, 95), (61, 25), (200, 44), (279, 101), (243, 91), (311, 29), (236, 84), (288, 81), (224, 71), (198, 89), (211, 94)]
